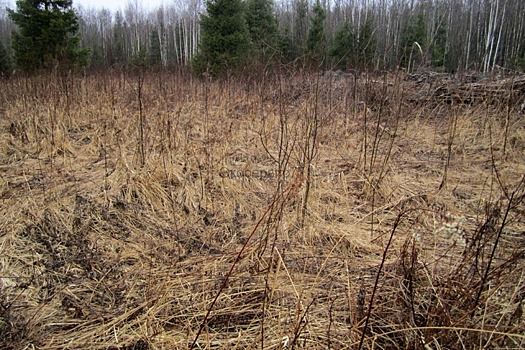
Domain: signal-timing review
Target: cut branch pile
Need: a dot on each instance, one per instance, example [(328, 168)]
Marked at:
[(437, 89)]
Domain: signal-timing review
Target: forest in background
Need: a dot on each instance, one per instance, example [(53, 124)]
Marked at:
[(446, 35), (287, 205)]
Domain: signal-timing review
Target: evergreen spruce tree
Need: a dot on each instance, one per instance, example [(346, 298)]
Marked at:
[(262, 26), (225, 40), (96, 59), (154, 57), (286, 46), (119, 51), (519, 61), (414, 32), (300, 26), (5, 62), (47, 34), (343, 49), (366, 44), (439, 49), (316, 35), (140, 58)]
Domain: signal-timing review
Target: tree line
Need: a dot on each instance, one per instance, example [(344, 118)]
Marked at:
[(219, 35)]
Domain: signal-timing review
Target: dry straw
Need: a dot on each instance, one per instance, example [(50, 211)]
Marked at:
[(307, 211)]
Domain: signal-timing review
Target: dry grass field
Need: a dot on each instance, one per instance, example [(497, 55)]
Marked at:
[(158, 211)]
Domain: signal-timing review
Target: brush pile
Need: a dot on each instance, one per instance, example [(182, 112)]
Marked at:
[(468, 89)]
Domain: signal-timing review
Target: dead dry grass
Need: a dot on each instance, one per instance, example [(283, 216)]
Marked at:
[(395, 249)]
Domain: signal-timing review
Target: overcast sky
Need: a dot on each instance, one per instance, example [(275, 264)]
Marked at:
[(116, 4), (109, 4)]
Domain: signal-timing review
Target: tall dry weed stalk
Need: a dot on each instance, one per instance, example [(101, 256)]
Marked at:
[(141, 119), (450, 142), (310, 147)]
